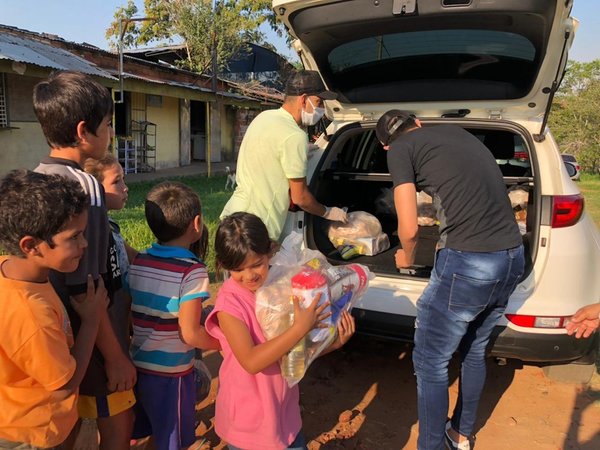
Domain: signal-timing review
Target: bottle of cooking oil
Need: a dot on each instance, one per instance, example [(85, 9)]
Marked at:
[(293, 363)]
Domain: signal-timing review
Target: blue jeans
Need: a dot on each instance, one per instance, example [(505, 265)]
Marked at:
[(458, 310), (298, 444)]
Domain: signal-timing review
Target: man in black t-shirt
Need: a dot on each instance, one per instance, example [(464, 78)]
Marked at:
[(479, 261)]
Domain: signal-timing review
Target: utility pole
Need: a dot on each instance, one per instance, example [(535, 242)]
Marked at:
[(214, 85), (123, 24)]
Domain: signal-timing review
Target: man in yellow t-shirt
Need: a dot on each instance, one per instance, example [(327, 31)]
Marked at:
[(40, 365), (271, 166)]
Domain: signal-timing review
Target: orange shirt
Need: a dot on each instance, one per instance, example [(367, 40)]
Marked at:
[(35, 336)]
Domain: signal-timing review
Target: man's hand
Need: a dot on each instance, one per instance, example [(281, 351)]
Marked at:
[(335, 214), (121, 373), (585, 321), (401, 260)]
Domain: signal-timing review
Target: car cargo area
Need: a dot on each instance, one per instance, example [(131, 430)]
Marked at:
[(354, 174)]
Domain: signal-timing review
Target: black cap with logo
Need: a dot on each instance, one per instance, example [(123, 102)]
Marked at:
[(308, 82), (392, 123)]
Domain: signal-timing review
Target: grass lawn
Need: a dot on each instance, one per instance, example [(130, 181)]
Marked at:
[(133, 223), (590, 187)]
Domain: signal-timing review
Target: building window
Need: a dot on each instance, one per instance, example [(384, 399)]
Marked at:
[(3, 103), (154, 100)]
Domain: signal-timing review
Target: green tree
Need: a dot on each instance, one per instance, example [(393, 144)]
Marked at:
[(575, 116), (203, 25), (578, 75)]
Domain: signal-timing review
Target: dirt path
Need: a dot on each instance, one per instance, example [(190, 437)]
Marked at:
[(364, 398)]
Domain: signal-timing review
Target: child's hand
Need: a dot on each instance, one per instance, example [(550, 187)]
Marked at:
[(312, 316), (346, 328), (90, 305)]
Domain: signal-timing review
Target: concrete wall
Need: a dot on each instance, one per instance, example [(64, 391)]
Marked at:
[(22, 147), (227, 133), (185, 150), (166, 118), (23, 144), (214, 140), (243, 117)]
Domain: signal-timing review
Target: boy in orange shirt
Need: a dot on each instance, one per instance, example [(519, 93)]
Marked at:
[(40, 367)]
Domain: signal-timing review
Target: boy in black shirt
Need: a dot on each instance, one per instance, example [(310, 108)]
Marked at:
[(479, 261), (75, 113)]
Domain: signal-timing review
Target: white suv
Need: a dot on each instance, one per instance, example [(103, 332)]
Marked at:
[(491, 67)]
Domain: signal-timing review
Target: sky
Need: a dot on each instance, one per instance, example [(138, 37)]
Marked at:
[(86, 21)]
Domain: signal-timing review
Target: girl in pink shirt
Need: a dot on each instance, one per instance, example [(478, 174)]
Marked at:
[(255, 408)]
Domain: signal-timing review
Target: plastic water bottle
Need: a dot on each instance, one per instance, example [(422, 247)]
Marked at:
[(293, 363)]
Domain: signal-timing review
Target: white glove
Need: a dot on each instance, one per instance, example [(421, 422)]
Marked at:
[(335, 214)]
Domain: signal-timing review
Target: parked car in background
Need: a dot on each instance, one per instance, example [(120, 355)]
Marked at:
[(492, 68), (573, 168)]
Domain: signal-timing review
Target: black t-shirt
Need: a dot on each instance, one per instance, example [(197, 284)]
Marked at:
[(466, 185), (98, 260)]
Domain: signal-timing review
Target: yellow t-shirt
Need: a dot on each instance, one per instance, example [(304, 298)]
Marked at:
[(274, 149), (35, 336)]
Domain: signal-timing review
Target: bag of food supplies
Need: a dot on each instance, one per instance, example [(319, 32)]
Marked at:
[(361, 235), (340, 287)]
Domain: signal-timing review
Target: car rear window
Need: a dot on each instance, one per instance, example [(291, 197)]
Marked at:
[(475, 47), (451, 64)]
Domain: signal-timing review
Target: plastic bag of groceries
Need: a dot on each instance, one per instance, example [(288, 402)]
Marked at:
[(361, 235), (426, 213), (519, 196), (305, 273)]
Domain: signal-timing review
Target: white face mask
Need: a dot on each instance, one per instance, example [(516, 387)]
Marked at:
[(309, 119)]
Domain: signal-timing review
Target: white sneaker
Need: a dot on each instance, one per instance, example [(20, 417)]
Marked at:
[(453, 445)]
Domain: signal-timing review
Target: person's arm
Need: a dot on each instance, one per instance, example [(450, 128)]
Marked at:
[(89, 309), (346, 328), (120, 371), (131, 252), (255, 358), (302, 197), (585, 321), (405, 200), (192, 333), (194, 287)]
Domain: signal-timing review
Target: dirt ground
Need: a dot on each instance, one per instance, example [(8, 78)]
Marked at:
[(363, 397)]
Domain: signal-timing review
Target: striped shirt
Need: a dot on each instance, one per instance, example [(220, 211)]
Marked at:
[(160, 279), (95, 257)]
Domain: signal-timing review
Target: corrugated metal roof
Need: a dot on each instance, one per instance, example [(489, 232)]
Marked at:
[(187, 86), (29, 51)]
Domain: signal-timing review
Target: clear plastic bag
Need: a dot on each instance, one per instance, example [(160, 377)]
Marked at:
[(361, 235), (519, 196), (426, 214), (304, 273)]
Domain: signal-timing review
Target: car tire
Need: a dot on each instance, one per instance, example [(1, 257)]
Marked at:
[(570, 373)]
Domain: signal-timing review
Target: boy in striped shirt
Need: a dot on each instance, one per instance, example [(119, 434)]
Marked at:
[(168, 284)]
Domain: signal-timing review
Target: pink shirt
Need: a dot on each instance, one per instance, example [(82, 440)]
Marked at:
[(253, 412)]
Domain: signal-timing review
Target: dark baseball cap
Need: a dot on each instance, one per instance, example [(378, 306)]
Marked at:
[(392, 123), (308, 82)]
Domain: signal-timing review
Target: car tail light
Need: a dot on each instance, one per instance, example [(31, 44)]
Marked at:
[(537, 321), (566, 210)]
